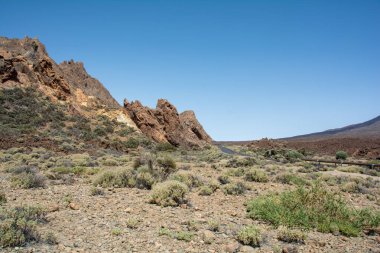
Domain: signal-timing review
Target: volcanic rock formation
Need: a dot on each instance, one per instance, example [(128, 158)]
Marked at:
[(164, 124), (25, 63)]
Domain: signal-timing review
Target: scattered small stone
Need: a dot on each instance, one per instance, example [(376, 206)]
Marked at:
[(74, 206), (53, 208)]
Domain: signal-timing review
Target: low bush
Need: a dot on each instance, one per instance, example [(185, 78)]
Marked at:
[(291, 235), (250, 235), (187, 178), (235, 188), (169, 193), (213, 225), (341, 155), (293, 155), (95, 191), (145, 180), (292, 179), (254, 175), (181, 235), (18, 225), (224, 179), (132, 143), (316, 208), (3, 199), (241, 162), (205, 191), (122, 178), (165, 147), (132, 223), (27, 177)]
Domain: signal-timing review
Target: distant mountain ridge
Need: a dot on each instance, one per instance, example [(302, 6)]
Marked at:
[(367, 129)]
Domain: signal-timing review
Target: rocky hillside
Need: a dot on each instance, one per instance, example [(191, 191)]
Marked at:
[(26, 65), (368, 129)]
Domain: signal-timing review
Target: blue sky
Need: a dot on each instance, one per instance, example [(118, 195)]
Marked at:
[(249, 69)]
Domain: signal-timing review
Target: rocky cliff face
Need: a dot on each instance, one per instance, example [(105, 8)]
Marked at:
[(25, 63), (165, 124), (77, 76)]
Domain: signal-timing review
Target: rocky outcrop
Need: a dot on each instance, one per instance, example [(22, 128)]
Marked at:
[(78, 77), (164, 124), (26, 63)]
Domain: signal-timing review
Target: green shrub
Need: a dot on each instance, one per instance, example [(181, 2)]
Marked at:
[(351, 187), (145, 180), (132, 223), (27, 177), (165, 147), (18, 225), (184, 236), (234, 188), (122, 178), (95, 191), (293, 155), (205, 191), (224, 179), (255, 175), (181, 235), (187, 178), (290, 235), (213, 225), (167, 166), (250, 235), (341, 155), (167, 162), (110, 162), (292, 179), (132, 143), (51, 239), (235, 172), (312, 208), (3, 199), (169, 193), (241, 162), (116, 231)]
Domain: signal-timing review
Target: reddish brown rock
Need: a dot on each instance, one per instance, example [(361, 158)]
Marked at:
[(164, 124)]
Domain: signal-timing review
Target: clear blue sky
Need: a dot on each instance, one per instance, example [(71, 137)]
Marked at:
[(249, 69)]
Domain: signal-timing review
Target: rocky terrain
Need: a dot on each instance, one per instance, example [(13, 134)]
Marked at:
[(80, 173)]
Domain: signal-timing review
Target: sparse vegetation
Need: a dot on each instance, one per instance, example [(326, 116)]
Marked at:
[(255, 175), (187, 178), (169, 193), (132, 223), (250, 235), (293, 155), (312, 208), (291, 235), (3, 199), (18, 225), (27, 177), (234, 188)]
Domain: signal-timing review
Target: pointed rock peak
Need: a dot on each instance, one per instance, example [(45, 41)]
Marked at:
[(164, 124)]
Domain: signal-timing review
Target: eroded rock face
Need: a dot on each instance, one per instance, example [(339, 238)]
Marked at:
[(25, 62), (165, 124), (78, 77)]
